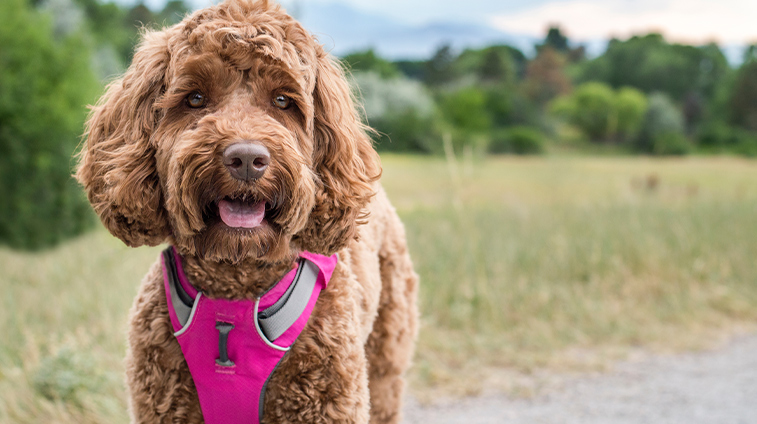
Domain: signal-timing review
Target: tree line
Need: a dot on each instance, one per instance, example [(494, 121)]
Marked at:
[(642, 95)]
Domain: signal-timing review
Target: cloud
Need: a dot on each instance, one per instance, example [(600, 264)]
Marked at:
[(694, 21)]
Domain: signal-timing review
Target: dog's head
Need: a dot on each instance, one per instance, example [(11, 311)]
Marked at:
[(234, 136)]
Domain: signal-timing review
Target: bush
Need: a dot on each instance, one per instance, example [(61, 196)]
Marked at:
[(387, 96), (602, 113), (67, 375), (401, 110), (661, 121), (747, 148), (407, 132), (630, 107), (45, 84), (519, 140), (719, 137), (466, 109), (589, 108), (500, 105), (671, 143)]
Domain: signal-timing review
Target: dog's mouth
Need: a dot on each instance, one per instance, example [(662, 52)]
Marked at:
[(240, 212), (237, 213)]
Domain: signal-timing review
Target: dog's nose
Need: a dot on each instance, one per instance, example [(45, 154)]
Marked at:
[(246, 161)]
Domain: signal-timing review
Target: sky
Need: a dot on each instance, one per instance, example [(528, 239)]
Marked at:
[(691, 21)]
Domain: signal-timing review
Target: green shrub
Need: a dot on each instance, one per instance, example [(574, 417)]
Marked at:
[(602, 113), (519, 140), (466, 109), (45, 84), (401, 110), (671, 143), (661, 121), (500, 105), (630, 107), (407, 132), (380, 96), (67, 375), (719, 137), (747, 148)]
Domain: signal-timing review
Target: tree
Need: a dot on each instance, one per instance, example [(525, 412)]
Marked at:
[(602, 113), (662, 131), (545, 76), (368, 61), (496, 68), (630, 108), (115, 27), (140, 15), (556, 40), (439, 70), (499, 64), (750, 54), (414, 69), (172, 13), (650, 64), (742, 104), (45, 83), (400, 109), (590, 108), (466, 109)]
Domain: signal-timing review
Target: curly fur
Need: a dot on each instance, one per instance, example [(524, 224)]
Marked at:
[(152, 169)]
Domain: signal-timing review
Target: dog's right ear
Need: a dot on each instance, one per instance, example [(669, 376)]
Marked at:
[(117, 162)]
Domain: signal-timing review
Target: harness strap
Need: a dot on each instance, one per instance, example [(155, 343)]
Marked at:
[(181, 301), (274, 320), (277, 318)]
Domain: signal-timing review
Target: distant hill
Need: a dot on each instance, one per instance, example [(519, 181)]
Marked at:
[(344, 30)]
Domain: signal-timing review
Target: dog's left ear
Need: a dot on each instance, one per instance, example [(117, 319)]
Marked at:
[(345, 163)]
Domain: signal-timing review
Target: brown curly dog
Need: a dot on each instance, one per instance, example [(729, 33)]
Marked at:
[(233, 137)]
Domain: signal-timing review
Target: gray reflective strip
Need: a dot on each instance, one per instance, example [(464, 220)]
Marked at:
[(277, 319), (271, 310), (261, 400), (182, 309)]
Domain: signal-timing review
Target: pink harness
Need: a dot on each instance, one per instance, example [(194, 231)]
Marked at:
[(233, 346)]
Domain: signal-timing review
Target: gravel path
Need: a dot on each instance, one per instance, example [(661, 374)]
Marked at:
[(717, 387)]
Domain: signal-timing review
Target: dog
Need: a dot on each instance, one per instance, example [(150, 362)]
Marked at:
[(233, 137)]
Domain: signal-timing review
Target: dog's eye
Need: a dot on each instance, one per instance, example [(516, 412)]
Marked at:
[(196, 100), (282, 102)]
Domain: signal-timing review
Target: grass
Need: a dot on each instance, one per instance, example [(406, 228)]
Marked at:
[(63, 319), (570, 263), (554, 263)]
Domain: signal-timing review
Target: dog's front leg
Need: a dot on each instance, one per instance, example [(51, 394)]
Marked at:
[(323, 378), (160, 386)]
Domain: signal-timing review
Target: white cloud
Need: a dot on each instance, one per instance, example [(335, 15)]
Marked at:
[(696, 21)]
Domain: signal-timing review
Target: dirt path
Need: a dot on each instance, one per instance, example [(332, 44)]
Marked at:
[(717, 387)]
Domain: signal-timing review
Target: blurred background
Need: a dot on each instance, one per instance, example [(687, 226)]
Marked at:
[(577, 180)]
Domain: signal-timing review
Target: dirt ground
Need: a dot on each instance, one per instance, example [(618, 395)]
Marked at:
[(712, 387)]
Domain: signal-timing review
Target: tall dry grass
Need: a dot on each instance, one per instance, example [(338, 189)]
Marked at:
[(527, 264), (570, 263), (63, 327)]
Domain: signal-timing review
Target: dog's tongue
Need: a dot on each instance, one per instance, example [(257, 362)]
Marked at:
[(237, 214)]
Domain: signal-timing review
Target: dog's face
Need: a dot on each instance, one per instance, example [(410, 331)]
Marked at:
[(232, 135)]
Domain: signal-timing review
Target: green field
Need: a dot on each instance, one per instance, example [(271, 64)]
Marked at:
[(553, 263)]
